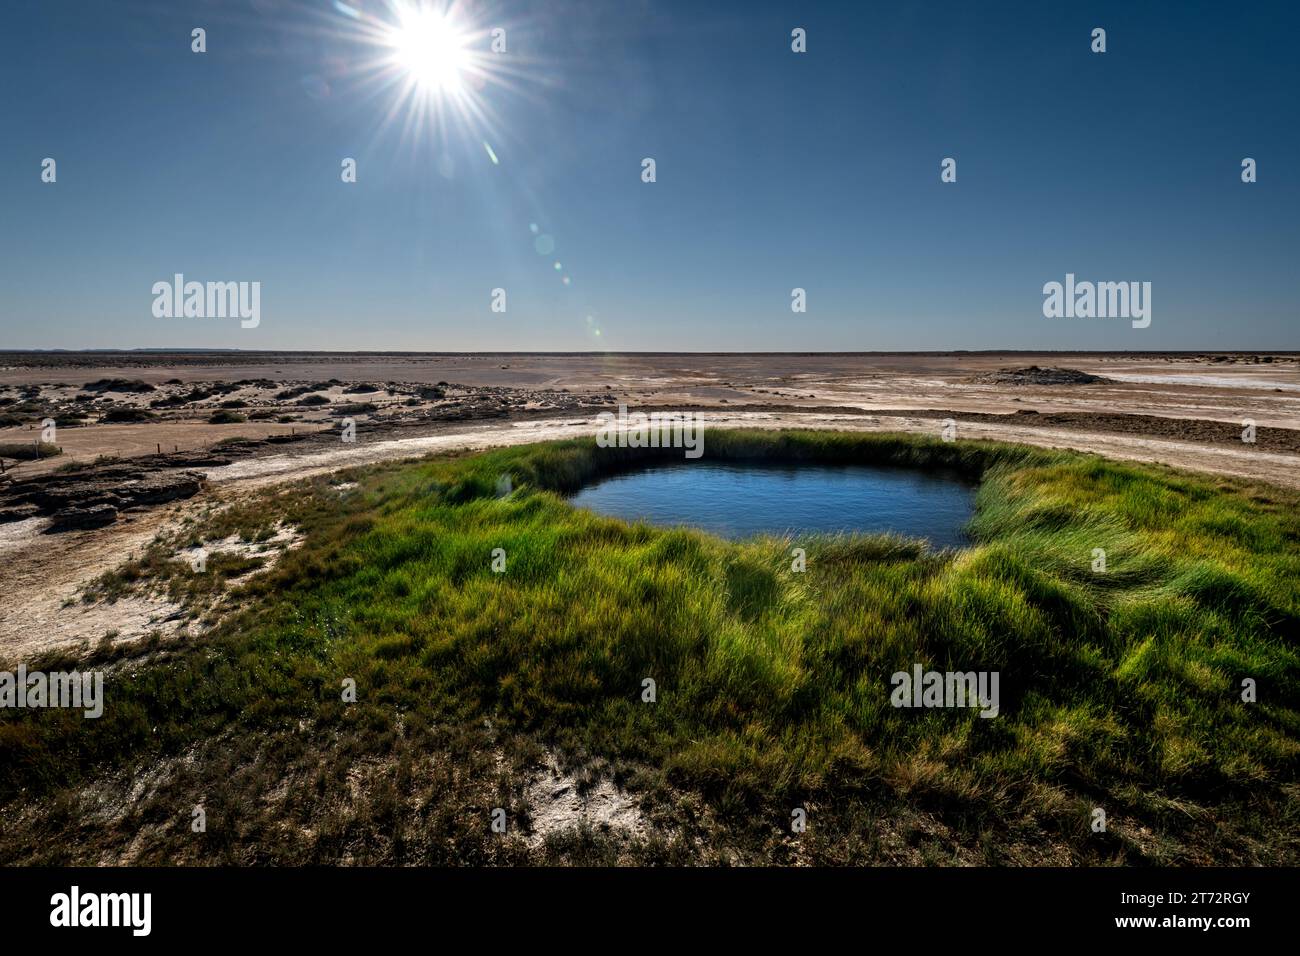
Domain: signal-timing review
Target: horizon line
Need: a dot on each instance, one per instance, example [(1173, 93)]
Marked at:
[(592, 352)]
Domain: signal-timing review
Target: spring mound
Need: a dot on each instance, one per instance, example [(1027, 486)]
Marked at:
[(1033, 375)]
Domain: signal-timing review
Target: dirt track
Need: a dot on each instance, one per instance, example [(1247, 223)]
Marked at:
[(1245, 461)]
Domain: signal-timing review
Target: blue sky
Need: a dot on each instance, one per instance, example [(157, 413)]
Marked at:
[(775, 170)]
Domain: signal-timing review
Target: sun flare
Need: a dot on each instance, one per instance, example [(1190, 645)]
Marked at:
[(440, 66), (431, 49)]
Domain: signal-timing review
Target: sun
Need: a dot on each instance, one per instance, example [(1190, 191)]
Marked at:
[(437, 66), (430, 47)]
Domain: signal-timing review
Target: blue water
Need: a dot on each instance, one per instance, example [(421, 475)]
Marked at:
[(736, 501)]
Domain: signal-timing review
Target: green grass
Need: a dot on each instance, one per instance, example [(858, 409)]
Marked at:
[(29, 451), (226, 418), (1120, 689)]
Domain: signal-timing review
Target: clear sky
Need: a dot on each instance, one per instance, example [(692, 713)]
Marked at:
[(775, 170)]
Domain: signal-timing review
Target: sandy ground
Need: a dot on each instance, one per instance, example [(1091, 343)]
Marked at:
[(43, 574)]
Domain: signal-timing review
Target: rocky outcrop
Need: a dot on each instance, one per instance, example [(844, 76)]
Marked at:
[(95, 497), (19, 513), (80, 519), (1033, 375)]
